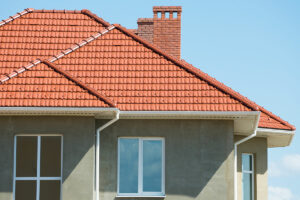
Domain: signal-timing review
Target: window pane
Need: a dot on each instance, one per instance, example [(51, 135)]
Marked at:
[(49, 190), (26, 156), (128, 165), (50, 156), (25, 190), (247, 162), (152, 165), (247, 186)]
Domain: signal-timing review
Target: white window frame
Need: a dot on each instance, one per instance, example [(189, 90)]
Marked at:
[(248, 172), (37, 178), (140, 170)]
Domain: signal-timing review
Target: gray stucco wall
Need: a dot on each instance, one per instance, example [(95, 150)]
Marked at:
[(199, 157), (259, 148), (78, 151)]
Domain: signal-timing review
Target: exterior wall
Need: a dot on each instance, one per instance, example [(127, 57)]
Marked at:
[(199, 157), (259, 148), (78, 152)]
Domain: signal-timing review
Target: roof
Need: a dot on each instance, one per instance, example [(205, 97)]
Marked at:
[(45, 85), (126, 70)]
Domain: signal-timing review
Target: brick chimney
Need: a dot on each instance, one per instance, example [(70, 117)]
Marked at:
[(164, 29)]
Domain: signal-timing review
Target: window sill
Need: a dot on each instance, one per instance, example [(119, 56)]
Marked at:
[(141, 196)]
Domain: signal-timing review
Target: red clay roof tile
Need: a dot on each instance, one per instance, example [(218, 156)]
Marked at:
[(45, 85), (120, 65)]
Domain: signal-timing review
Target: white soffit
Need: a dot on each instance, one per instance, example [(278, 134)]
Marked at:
[(276, 138)]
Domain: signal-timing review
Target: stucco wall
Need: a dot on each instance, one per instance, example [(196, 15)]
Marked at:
[(78, 151), (199, 157), (259, 148)]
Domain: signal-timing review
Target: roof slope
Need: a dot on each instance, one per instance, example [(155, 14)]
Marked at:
[(45, 85), (42, 33), (130, 71)]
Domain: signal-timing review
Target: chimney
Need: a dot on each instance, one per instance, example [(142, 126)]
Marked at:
[(164, 29)]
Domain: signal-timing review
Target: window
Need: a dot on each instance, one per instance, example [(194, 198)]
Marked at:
[(141, 167), (37, 167), (248, 176)]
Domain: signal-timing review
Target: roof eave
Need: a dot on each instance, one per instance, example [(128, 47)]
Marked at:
[(277, 137), (57, 111)]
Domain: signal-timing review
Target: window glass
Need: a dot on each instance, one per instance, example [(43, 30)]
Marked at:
[(247, 162), (128, 169), (49, 190), (38, 167), (248, 173), (26, 161), (152, 165), (25, 190), (50, 156), (247, 186)]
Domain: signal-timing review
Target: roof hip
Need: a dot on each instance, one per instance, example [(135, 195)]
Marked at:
[(78, 82)]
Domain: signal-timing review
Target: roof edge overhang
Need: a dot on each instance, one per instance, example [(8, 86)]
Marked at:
[(245, 123), (57, 111), (276, 137)]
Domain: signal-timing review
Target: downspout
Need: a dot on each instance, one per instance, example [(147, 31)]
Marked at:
[(235, 155), (97, 186)]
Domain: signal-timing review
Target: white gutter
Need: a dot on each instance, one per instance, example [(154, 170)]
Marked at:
[(97, 186), (80, 111), (235, 155), (188, 114)]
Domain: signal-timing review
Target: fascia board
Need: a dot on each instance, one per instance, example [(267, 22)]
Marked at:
[(64, 111)]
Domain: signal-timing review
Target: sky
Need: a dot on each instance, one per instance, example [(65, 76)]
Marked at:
[(252, 46)]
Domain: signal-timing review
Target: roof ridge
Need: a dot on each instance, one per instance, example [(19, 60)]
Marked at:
[(197, 72), (83, 11), (79, 83), (32, 10), (58, 56), (19, 14)]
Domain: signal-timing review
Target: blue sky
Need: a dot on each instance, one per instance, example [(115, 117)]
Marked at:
[(251, 46)]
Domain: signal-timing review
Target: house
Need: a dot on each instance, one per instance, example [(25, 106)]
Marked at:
[(92, 110)]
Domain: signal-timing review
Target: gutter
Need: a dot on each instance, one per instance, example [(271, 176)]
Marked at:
[(63, 111), (235, 155), (98, 131)]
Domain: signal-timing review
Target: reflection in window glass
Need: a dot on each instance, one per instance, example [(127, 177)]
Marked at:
[(25, 190), (26, 156), (141, 166), (38, 167), (50, 190), (247, 162), (128, 174), (50, 156), (152, 165), (247, 169)]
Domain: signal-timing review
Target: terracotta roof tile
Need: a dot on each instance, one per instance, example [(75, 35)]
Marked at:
[(120, 65), (45, 85), (41, 33)]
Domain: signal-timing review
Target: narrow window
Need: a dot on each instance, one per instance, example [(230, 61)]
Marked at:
[(248, 176), (141, 167), (37, 171)]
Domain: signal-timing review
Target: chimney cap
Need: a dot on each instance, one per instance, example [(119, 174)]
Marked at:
[(167, 9)]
